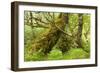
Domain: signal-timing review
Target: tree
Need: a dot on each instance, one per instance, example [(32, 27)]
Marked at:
[(55, 31), (79, 32), (64, 42), (56, 23)]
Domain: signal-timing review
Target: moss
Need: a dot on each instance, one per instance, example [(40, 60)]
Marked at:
[(55, 55), (76, 53), (37, 56)]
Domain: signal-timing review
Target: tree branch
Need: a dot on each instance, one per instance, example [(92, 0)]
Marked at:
[(62, 31), (46, 17), (39, 20), (40, 26)]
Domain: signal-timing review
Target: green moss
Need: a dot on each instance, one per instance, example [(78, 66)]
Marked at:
[(76, 53), (55, 54), (35, 57)]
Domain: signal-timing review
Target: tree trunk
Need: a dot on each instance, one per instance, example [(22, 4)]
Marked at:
[(79, 33), (63, 43)]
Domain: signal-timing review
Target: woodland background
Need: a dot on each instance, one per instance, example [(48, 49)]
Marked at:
[(56, 36)]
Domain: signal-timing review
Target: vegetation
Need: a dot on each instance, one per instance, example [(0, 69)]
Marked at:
[(56, 36)]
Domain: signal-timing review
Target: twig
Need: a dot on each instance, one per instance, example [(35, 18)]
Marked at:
[(39, 20)]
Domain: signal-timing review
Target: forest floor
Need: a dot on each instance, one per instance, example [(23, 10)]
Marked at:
[(56, 54)]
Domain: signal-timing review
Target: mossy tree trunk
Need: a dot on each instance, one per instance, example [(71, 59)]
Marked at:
[(79, 33), (51, 38), (64, 42)]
